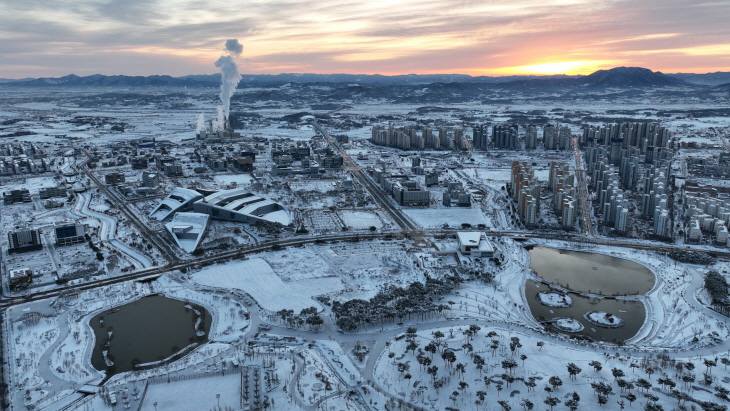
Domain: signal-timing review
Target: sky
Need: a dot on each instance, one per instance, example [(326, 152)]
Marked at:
[(50, 38)]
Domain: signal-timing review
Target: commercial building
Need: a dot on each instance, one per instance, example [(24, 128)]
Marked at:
[(409, 193), (24, 240), (150, 179), (188, 229), (475, 244), (242, 206), (179, 199), (113, 179), (432, 178), (20, 277), (16, 196), (50, 192), (69, 233), (139, 163), (172, 170), (455, 195)]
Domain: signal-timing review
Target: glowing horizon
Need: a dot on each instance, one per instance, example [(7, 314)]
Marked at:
[(536, 37)]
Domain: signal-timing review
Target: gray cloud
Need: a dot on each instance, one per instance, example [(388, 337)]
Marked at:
[(44, 38), (234, 47)]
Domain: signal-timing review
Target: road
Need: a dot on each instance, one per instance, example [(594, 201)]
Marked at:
[(585, 204), (121, 204), (375, 192), (379, 338), (263, 246), (724, 141)]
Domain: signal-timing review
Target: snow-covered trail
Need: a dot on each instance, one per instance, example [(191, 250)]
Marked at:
[(108, 230)]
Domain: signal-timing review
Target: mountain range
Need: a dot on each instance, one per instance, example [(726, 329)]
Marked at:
[(619, 77)]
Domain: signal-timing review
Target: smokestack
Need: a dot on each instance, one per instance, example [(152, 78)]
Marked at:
[(229, 75)]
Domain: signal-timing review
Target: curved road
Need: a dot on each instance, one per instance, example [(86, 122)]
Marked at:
[(108, 229)]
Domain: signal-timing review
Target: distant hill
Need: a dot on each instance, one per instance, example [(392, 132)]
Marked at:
[(99, 80), (629, 77), (12, 80), (707, 79), (619, 77)]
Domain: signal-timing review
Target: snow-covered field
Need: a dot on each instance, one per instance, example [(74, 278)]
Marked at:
[(454, 217), (257, 278), (296, 264), (194, 395), (48, 360), (361, 219), (240, 179)]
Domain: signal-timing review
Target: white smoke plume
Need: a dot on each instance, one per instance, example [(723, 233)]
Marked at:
[(220, 122), (229, 73), (201, 122), (234, 47)]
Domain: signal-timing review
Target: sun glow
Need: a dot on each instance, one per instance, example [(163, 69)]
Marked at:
[(562, 67)]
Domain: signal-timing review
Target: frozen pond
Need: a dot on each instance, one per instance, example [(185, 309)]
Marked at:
[(590, 273), (632, 312), (146, 332)]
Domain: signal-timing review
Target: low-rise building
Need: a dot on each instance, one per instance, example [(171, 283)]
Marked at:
[(408, 193), (68, 233), (50, 192), (188, 229), (16, 196), (113, 179), (173, 170), (20, 277), (475, 244)]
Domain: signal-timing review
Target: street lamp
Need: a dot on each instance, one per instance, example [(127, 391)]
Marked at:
[(218, 396)]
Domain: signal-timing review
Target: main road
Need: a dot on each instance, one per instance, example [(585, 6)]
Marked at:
[(375, 192), (121, 203), (406, 228), (585, 203)]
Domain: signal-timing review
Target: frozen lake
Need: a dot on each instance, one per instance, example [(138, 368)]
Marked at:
[(148, 330)]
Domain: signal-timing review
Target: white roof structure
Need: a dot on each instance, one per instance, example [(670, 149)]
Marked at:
[(188, 229), (242, 205), (178, 199), (474, 240)]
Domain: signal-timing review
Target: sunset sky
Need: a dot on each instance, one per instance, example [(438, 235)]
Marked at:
[(500, 37)]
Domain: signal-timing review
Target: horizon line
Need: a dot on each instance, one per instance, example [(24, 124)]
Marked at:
[(377, 74)]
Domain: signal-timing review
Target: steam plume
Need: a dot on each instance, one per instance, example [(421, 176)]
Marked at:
[(229, 73), (201, 122), (220, 122)]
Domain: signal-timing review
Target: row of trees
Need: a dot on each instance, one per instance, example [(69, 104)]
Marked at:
[(394, 304), (717, 286), (308, 316), (671, 378)]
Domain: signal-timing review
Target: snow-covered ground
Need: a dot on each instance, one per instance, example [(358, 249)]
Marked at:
[(568, 325), (194, 395), (361, 219), (553, 299), (258, 279), (453, 217), (48, 360)]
